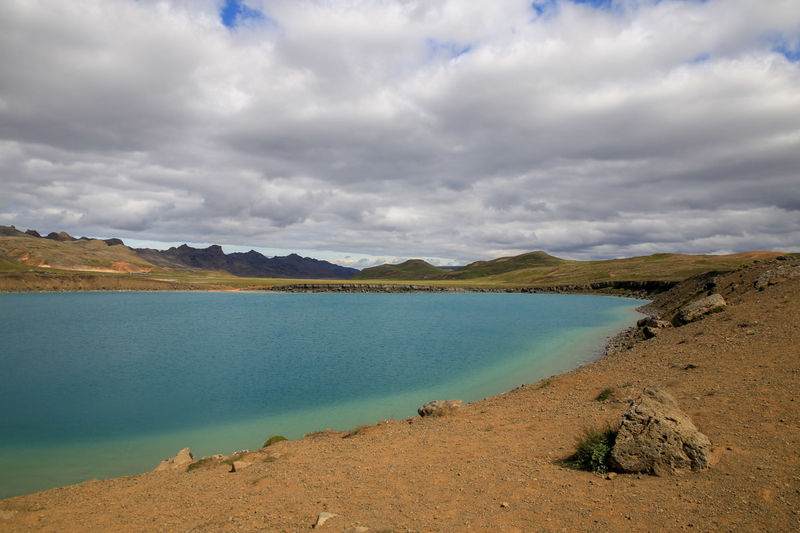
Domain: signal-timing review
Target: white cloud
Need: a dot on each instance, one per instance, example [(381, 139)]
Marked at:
[(401, 128)]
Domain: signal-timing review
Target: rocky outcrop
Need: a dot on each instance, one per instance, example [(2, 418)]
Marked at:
[(777, 275), (699, 308), (657, 437), (179, 462), (439, 407), (626, 288)]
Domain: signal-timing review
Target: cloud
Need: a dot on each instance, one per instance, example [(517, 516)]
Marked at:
[(403, 128)]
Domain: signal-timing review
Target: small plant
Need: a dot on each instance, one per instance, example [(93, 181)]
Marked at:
[(545, 384), (604, 395), (593, 450), (200, 464), (273, 439)]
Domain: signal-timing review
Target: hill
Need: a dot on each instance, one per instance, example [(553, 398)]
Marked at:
[(502, 265), (416, 269), (539, 269), (24, 251)]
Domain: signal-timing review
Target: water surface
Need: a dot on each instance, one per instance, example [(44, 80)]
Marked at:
[(108, 384)]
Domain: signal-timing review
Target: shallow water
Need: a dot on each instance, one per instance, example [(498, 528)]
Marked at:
[(106, 384)]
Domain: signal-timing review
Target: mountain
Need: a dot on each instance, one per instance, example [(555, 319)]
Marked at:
[(246, 264), (416, 269)]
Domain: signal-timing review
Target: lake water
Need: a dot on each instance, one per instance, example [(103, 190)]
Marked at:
[(97, 385)]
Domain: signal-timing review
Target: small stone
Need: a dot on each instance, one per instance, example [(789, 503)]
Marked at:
[(439, 407), (236, 466), (504, 505), (611, 475), (323, 517)]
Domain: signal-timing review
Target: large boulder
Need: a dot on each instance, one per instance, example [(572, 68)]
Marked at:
[(180, 461), (657, 437), (698, 308), (439, 407)]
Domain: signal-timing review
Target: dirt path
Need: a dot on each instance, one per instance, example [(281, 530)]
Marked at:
[(492, 465)]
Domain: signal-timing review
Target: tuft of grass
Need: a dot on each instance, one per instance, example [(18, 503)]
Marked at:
[(200, 464), (604, 395), (545, 384), (273, 439), (593, 449)]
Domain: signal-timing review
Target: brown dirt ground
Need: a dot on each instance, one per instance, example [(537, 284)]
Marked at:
[(493, 465)]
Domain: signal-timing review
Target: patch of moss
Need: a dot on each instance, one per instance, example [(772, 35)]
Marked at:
[(273, 439)]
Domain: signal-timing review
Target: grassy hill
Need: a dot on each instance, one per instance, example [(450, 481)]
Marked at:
[(416, 269), (25, 252), (505, 265), (541, 269)]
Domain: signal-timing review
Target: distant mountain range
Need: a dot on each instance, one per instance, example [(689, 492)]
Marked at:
[(63, 251), (247, 264)]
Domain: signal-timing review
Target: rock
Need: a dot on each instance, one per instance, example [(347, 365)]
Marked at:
[(650, 332), (700, 307), (504, 505), (323, 517), (651, 322), (237, 466), (439, 407), (180, 461), (777, 275), (657, 437)]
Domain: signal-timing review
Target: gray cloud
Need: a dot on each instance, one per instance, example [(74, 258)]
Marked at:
[(406, 128)]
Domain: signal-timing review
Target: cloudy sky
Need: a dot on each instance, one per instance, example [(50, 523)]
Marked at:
[(372, 130)]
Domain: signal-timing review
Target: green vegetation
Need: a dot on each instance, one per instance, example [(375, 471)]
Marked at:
[(273, 439), (206, 461), (546, 383), (593, 450), (604, 395), (412, 269)]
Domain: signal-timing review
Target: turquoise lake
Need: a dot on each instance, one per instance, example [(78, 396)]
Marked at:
[(96, 385)]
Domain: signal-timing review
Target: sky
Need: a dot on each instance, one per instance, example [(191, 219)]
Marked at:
[(371, 131)]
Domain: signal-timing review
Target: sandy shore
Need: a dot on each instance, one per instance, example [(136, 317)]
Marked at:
[(493, 465)]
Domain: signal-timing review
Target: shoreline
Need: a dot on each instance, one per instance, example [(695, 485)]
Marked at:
[(494, 464)]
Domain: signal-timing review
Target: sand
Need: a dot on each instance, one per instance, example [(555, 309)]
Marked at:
[(493, 465)]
